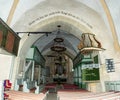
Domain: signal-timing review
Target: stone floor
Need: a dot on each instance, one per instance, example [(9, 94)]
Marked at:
[(52, 96)]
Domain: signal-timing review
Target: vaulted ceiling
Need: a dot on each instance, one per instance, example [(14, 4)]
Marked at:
[(71, 42), (24, 15)]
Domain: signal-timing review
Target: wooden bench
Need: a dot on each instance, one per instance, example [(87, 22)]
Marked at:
[(39, 88), (7, 85), (6, 96), (29, 87), (18, 95), (18, 85), (32, 90), (20, 88)]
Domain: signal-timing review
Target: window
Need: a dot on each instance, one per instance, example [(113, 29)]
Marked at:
[(110, 65)]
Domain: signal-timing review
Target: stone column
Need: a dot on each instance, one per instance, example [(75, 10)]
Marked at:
[(15, 71), (79, 72), (39, 74), (32, 76)]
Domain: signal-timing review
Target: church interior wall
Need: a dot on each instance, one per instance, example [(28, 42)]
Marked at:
[(6, 66)]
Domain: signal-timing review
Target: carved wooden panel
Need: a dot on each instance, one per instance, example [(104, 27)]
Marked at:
[(9, 40)]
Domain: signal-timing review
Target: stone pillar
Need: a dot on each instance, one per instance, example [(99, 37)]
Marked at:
[(79, 72), (39, 74), (15, 71), (32, 76), (104, 76), (75, 75)]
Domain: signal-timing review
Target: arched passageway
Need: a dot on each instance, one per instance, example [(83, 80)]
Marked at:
[(42, 62)]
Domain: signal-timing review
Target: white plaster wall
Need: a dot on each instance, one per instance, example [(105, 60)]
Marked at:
[(22, 7), (5, 66), (114, 7), (46, 8), (6, 70), (94, 87), (5, 8)]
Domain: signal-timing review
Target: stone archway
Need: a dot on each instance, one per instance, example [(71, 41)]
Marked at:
[(27, 41), (76, 28)]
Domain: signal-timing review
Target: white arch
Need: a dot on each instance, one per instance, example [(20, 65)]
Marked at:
[(74, 26)]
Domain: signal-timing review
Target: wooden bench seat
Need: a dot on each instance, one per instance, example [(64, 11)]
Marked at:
[(32, 90), (66, 95), (18, 95)]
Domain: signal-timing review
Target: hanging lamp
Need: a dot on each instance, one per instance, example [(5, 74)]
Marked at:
[(58, 44)]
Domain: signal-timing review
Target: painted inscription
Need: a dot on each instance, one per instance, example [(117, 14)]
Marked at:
[(59, 12)]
